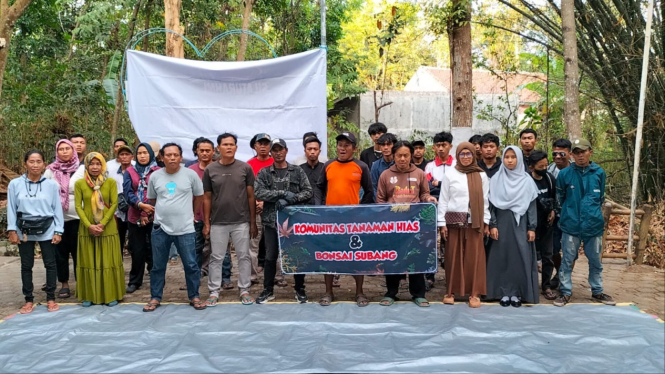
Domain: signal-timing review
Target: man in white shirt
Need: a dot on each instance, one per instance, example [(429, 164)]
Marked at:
[(443, 143)]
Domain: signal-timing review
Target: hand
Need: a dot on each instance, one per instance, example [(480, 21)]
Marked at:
[(95, 230), (281, 204), (149, 209), (550, 218), (486, 230), (494, 233), (431, 199), (435, 183), (144, 221), (444, 232), (259, 207), (290, 197), (206, 231), (56, 239), (13, 238), (531, 235), (253, 230)]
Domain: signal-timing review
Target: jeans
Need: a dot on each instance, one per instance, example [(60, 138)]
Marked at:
[(544, 248), (416, 285), (593, 251), (27, 253), (186, 246), (219, 240), (141, 249), (270, 269), (68, 245)]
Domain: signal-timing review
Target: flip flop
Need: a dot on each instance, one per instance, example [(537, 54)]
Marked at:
[(64, 293), (53, 307), (281, 283), (198, 305), (336, 281), (150, 307), (362, 300), (27, 309), (403, 284), (227, 285), (549, 295), (211, 302), (326, 300), (421, 301), (387, 301), (245, 299)]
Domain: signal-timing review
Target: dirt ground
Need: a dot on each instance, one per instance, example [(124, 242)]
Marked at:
[(642, 285)]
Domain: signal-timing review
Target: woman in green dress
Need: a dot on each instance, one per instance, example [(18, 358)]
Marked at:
[(99, 272)]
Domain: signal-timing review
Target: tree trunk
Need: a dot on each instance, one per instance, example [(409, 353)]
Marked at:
[(146, 25), (459, 36), (8, 17), (174, 46), (119, 99), (246, 16), (571, 106)]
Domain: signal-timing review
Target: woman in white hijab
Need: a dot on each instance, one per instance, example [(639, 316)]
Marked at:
[(512, 271)]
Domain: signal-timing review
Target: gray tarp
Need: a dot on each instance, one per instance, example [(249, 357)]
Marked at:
[(340, 338)]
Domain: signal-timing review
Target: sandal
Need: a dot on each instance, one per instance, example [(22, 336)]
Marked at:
[(151, 306), (429, 285), (326, 300), (336, 281), (281, 283), (197, 304), (211, 302), (52, 306), (362, 300), (549, 295), (227, 285), (245, 299), (27, 309), (403, 284), (44, 287), (387, 301), (421, 301), (86, 304), (64, 293)]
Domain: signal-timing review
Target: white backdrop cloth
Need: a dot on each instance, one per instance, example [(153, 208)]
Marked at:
[(178, 100)]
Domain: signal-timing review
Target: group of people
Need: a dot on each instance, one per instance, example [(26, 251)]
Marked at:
[(501, 219)]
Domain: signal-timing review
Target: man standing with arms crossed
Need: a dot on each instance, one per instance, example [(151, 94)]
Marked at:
[(229, 210)]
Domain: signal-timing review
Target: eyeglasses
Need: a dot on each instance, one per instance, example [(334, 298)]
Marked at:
[(465, 155), (558, 154)]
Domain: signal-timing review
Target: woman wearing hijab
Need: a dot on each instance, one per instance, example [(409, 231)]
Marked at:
[(412, 186), (34, 214), (512, 271), (140, 214), (66, 171), (463, 218), (100, 275)]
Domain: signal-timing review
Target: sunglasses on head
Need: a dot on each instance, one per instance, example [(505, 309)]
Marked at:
[(559, 154)]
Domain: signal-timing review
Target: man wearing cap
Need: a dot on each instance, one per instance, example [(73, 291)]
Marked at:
[(313, 167), (580, 193), (116, 169), (419, 154), (278, 186), (340, 184)]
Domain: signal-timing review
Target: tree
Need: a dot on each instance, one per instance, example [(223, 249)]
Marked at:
[(571, 109), (246, 18), (8, 17), (174, 43)]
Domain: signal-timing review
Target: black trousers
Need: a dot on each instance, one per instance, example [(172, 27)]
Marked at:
[(27, 253), (416, 285), (544, 247), (122, 232), (140, 247), (261, 256), (68, 245), (270, 263)]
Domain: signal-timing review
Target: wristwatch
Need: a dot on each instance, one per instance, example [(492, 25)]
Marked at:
[(57, 233)]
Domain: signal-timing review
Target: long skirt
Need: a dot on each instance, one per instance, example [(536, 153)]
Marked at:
[(100, 275), (465, 262)]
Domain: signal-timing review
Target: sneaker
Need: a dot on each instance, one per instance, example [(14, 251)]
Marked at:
[(562, 300), (265, 296), (603, 298), (301, 296)]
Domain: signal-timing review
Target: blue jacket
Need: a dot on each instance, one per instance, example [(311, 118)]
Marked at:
[(378, 167), (580, 194)]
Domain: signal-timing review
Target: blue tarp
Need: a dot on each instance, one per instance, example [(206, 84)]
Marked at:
[(290, 337)]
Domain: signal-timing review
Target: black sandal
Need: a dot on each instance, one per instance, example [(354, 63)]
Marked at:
[(150, 307), (64, 293), (198, 305)]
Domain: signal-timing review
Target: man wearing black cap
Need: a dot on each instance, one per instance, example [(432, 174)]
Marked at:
[(419, 154), (278, 186), (340, 184)]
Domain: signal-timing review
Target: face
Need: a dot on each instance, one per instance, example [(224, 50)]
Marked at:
[(35, 164), (65, 152), (561, 156), (125, 158), (540, 165), (528, 142), (117, 145), (581, 157), (228, 147), (442, 149), (376, 136), (312, 151), (279, 153), (204, 152), (478, 150), (489, 150), (79, 145), (510, 159), (262, 148), (172, 157), (345, 150), (465, 157), (418, 152), (95, 167), (387, 150), (403, 158), (142, 156)]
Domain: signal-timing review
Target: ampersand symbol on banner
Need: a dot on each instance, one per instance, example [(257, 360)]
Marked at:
[(355, 242)]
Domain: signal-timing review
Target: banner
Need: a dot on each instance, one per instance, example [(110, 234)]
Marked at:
[(177, 100), (358, 239)]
